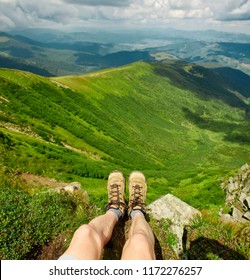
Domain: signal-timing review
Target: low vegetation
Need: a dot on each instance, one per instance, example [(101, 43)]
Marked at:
[(178, 123), (31, 221)]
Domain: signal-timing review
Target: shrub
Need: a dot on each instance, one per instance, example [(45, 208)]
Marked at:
[(28, 222)]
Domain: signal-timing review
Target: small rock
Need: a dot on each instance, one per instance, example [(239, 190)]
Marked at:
[(75, 184), (242, 197), (238, 215), (247, 184), (72, 188), (220, 213), (247, 202), (244, 167), (227, 218), (247, 215)]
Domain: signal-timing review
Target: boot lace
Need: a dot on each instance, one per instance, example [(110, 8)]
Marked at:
[(115, 195), (137, 198)]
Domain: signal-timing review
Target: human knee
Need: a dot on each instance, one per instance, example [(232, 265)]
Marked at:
[(83, 232), (139, 246), (140, 240), (87, 232)]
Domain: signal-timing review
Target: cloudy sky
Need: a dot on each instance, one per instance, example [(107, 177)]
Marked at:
[(227, 15)]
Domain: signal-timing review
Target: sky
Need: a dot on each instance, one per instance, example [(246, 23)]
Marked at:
[(71, 15)]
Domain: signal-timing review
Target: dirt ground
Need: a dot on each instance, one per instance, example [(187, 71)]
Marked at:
[(39, 181)]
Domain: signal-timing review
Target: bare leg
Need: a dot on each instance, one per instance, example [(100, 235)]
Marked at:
[(140, 245), (88, 240)]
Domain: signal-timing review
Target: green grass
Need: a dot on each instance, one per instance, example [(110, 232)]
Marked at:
[(176, 122), (141, 116), (209, 239), (29, 222), (206, 238)]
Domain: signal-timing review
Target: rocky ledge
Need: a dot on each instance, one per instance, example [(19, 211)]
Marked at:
[(237, 191)]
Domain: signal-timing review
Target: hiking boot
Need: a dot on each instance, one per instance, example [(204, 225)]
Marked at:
[(116, 192), (137, 192)]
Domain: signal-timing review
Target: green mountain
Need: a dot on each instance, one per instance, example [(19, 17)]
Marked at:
[(184, 126), (174, 121), (63, 58), (210, 54)]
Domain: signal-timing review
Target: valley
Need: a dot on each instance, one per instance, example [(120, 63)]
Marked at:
[(88, 87), (167, 119), (52, 53), (181, 124)]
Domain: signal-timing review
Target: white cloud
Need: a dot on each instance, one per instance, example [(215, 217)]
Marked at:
[(192, 14), (6, 23), (113, 3), (236, 12)]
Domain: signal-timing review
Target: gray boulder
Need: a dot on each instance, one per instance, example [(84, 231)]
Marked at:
[(178, 212)]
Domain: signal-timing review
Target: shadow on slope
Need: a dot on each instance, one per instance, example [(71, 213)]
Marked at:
[(18, 64), (208, 85), (235, 132), (236, 79), (205, 248), (205, 83)]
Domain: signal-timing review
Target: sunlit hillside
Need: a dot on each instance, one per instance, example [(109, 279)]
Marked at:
[(184, 126)]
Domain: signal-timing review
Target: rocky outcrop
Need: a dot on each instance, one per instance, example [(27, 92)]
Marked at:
[(178, 212), (72, 188), (237, 191)]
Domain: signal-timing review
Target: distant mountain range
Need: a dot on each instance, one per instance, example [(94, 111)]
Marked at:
[(129, 36), (54, 53), (59, 58)]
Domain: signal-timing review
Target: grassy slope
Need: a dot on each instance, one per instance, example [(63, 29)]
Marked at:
[(187, 133), (170, 121), (174, 121)]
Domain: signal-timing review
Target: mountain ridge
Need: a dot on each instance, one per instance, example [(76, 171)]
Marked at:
[(182, 125), (90, 113), (63, 58), (61, 53)]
